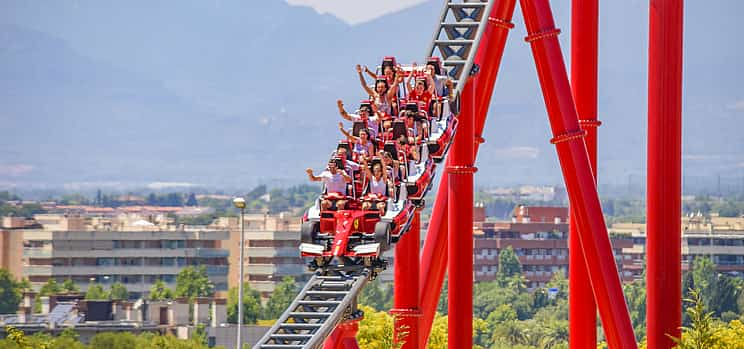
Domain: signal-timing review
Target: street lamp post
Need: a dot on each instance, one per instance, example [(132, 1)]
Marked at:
[(240, 203)]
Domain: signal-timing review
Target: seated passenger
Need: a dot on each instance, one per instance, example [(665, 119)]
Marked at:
[(383, 95), (389, 71), (378, 187), (349, 165), (335, 180), (387, 131), (408, 150), (365, 115), (392, 166), (363, 146), (417, 125), (423, 91), (442, 83)]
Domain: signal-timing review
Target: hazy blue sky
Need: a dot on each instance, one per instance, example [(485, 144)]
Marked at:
[(349, 10)]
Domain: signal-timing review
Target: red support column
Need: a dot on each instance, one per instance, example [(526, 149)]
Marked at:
[(664, 311), (582, 308), (460, 230), (577, 173), (406, 286), (433, 260), (344, 336), (434, 254)]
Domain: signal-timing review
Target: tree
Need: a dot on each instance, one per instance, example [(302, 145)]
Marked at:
[(193, 282), (718, 292), (118, 292), (70, 286), (200, 334), (96, 292), (376, 295), (112, 340), (376, 330), (160, 292), (51, 287), (702, 334), (191, 200), (509, 265), (283, 295), (251, 305), (10, 292)]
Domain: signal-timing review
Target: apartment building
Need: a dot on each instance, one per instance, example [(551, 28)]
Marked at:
[(720, 238), (539, 237), (129, 248), (271, 250)]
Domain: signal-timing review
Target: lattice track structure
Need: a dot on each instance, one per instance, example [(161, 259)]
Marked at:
[(322, 304), (469, 39)]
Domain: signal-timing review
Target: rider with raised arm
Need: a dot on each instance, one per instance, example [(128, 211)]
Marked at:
[(442, 83), (379, 187), (335, 180), (423, 90), (389, 71), (372, 121), (383, 95), (363, 147)]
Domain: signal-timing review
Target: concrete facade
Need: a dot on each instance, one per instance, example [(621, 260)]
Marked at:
[(134, 252), (271, 250)]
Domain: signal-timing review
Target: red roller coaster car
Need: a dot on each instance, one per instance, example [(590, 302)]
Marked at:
[(355, 237)]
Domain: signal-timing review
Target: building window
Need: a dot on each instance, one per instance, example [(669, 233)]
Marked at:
[(104, 261)]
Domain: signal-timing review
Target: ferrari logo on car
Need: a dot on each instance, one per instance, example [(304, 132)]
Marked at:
[(356, 224)]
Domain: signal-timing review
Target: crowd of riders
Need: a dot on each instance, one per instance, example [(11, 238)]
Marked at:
[(387, 135)]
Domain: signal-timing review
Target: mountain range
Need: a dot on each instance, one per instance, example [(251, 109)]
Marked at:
[(235, 93)]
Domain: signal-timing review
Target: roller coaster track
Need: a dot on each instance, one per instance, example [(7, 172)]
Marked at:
[(322, 304), (327, 300)]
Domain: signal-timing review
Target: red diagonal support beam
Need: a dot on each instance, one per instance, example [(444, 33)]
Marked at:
[(664, 172), (434, 254), (577, 173), (582, 308)]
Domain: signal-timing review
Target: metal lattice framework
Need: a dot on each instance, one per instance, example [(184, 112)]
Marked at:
[(458, 35), (323, 303)]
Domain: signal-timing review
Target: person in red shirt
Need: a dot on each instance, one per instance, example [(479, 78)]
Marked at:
[(423, 90)]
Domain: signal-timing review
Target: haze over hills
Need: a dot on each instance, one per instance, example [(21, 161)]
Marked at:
[(234, 93)]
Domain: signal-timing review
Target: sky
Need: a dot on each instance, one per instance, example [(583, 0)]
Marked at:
[(356, 11)]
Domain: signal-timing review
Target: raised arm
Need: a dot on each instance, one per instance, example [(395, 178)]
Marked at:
[(348, 135), (431, 83), (366, 88), (312, 177), (365, 168), (393, 90), (409, 88), (370, 73), (342, 111)]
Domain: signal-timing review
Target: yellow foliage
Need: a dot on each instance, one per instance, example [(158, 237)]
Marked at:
[(731, 336), (375, 330), (267, 323)]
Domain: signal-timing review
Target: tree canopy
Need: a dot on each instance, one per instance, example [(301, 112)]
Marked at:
[(10, 292), (193, 282), (251, 305), (281, 298), (160, 292)]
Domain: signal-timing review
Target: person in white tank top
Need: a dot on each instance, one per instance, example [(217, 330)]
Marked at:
[(378, 188)]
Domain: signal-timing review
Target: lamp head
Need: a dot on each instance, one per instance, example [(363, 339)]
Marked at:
[(239, 203)]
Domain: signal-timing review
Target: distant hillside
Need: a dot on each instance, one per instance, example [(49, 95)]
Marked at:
[(237, 92)]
